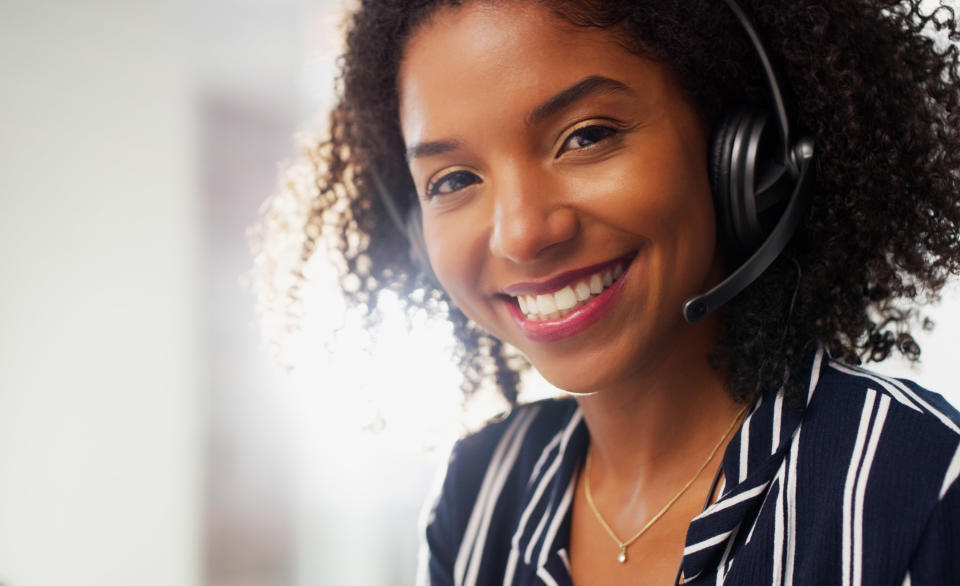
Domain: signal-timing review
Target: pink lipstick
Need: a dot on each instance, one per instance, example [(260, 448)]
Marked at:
[(569, 303)]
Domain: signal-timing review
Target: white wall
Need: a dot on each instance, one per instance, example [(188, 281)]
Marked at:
[(99, 411)]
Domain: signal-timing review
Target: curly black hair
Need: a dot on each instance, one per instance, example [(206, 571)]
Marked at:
[(875, 82)]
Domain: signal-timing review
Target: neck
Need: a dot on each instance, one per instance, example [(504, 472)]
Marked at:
[(666, 417)]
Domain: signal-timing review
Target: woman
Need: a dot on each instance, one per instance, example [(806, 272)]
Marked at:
[(556, 154)]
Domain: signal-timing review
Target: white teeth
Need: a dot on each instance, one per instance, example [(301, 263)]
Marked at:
[(583, 291), (531, 304), (596, 284), (546, 304), (561, 303), (565, 298)]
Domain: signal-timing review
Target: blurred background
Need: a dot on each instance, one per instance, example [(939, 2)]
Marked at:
[(145, 436)]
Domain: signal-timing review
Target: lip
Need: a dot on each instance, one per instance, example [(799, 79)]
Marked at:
[(576, 321), (562, 280)]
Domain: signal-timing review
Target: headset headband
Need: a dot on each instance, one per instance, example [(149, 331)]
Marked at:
[(776, 96), (797, 160)]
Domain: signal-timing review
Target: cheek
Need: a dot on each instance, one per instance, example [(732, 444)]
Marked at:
[(456, 258), (680, 187), (665, 206), (681, 194), (660, 189), (688, 232), (667, 203), (438, 251), (685, 221)]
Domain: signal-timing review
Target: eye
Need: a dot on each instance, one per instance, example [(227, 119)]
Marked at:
[(585, 137), (451, 182)]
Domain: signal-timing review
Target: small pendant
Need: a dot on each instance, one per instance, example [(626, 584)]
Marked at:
[(622, 557)]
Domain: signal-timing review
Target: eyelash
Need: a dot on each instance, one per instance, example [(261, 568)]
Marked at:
[(432, 187), (606, 132)]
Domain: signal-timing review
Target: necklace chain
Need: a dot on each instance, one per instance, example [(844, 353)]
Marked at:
[(622, 556)]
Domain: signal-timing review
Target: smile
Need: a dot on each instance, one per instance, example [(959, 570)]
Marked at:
[(564, 301), (569, 303)]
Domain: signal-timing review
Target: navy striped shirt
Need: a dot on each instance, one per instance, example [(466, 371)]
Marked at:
[(857, 487)]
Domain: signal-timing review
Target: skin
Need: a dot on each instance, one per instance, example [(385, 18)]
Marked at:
[(517, 202)]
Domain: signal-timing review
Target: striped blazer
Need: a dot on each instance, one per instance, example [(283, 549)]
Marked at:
[(857, 487)]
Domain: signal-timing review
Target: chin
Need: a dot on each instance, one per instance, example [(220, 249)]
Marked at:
[(580, 377)]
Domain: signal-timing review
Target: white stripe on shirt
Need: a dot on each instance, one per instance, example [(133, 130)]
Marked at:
[(558, 517), (886, 383), (513, 558), (706, 543), (953, 470), (547, 452), (855, 457), (861, 488), (794, 456), (777, 413), (779, 512), (426, 517), (487, 497)]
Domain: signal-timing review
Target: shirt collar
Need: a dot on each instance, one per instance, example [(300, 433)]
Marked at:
[(750, 463), (541, 539)]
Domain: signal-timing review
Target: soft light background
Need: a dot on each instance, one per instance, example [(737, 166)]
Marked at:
[(145, 439)]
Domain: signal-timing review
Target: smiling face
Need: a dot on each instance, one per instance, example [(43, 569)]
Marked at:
[(563, 186)]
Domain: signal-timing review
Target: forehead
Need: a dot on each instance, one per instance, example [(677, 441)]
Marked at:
[(499, 60)]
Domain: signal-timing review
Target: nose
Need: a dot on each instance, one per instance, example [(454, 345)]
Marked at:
[(529, 221)]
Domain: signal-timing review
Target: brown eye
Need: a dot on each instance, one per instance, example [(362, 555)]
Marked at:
[(586, 137), (452, 182)]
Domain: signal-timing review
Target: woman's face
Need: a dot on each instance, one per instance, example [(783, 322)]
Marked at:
[(548, 159)]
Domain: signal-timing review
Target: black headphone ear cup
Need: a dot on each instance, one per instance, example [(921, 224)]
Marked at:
[(721, 151), (746, 180)]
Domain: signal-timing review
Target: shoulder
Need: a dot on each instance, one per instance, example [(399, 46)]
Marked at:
[(891, 449), (508, 441), (536, 419), (473, 510), (867, 478), (912, 407), (502, 452), (890, 435)]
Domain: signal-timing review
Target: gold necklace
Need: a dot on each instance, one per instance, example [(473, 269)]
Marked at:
[(622, 556)]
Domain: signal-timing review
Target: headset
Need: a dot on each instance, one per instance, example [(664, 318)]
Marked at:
[(761, 184), (759, 179)]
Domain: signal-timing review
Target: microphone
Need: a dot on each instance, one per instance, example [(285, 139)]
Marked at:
[(699, 306)]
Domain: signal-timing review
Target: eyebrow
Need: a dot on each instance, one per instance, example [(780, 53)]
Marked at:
[(588, 86), (436, 147)]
